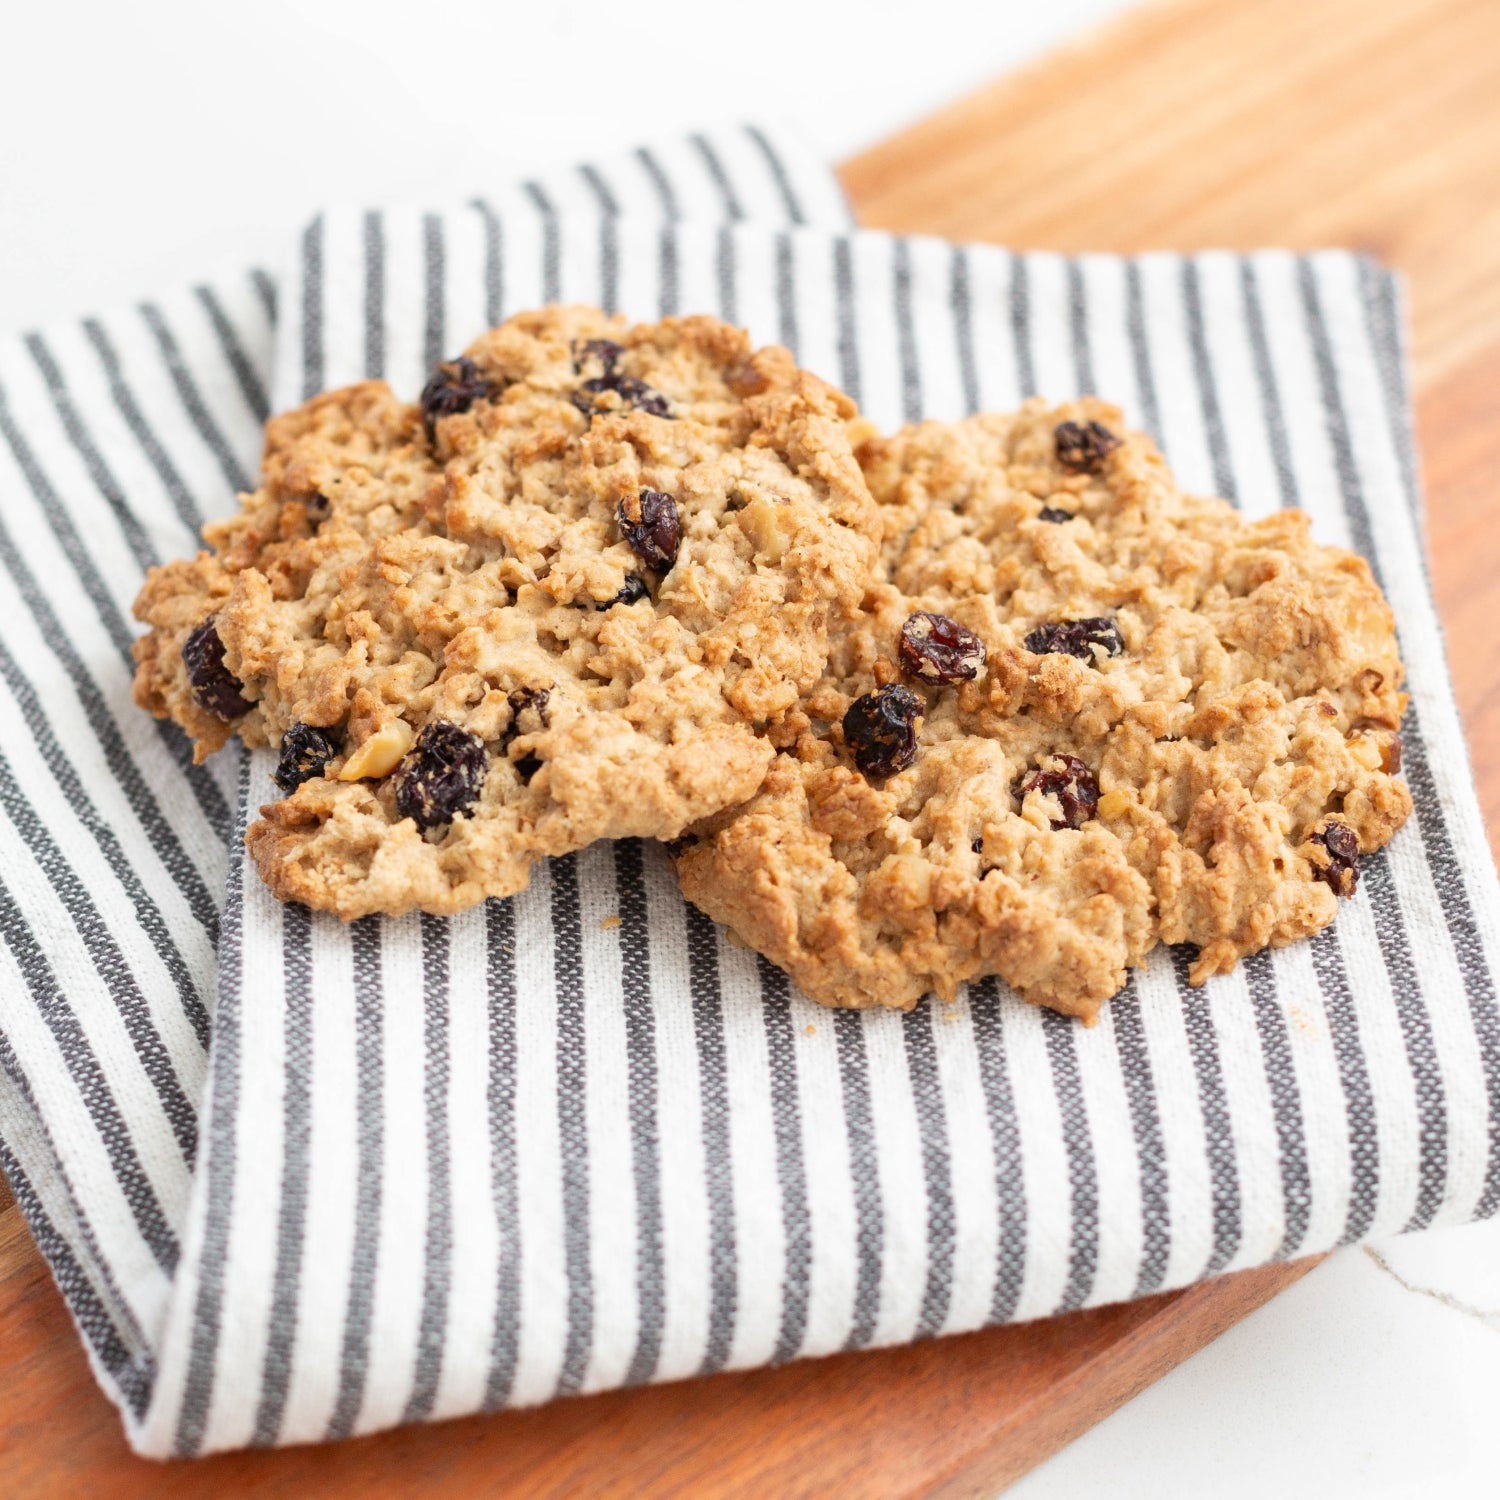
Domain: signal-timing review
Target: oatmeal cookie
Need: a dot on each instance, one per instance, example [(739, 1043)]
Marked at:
[(1082, 713), (559, 599)]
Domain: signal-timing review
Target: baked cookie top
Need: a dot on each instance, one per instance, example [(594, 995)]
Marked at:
[(558, 599), (1081, 714)]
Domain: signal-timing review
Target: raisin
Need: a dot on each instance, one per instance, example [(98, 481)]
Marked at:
[(522, 700), (649, 522), (1054, 514), (881, 729), (455, 386), (216, 689), (1390, 761), (633, 589), (1082, 447), (305, 751), (1071, 782), (936, 649), (633, 393), (977, 846), (606, 351), (1340, 842), (1077, 638), (441, 775)]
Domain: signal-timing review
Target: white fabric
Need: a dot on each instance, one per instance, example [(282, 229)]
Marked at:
[(452, 1165)]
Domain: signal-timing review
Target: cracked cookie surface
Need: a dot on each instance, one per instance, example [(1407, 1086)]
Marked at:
[(559, 599), (1146, 720)]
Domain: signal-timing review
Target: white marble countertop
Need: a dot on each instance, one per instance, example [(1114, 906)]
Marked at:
[(145, 143)]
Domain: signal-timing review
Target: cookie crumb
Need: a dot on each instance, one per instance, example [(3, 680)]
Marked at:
[(610, 922), (811, 1029)]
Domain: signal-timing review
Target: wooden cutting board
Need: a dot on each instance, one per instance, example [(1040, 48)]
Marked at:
[(1185, 125)]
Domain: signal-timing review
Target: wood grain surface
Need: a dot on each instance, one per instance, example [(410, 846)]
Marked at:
[(1186, 125)]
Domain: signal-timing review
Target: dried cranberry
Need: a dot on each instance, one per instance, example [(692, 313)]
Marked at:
[(936, 649), (1054, 514), (881, 729), (1071, 782), (633, 589), (216, 689), (649, 522), (1083, 446), (1077, 638), (305, 751), (454, 387), (441, 776), (1341, 844)]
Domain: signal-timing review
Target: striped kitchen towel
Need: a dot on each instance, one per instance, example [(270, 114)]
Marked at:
[(119, 436), (454, 1165)]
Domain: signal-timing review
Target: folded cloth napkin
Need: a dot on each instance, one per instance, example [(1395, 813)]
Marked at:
[(576, 1139)]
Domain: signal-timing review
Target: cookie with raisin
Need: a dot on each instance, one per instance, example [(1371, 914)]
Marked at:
[(1083, 713), (564, 596)]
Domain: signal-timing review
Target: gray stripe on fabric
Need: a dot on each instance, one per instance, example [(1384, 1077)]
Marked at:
[(210, 800), (724, 264), (1083, 1174), (437, 1250), (848, 337), (779, 174), (133, 1375), (985, 1005), (1446, 874), (1377, 287), (733, 210), (787, 332), (494, 261), (1140, 351), (82, 443), (218, 1163), (1020, 325), (551, 240), (718, 1168), (1150, 1143), (660, 181), (1354, 1080), (1286, 1100), (313, 378), (247, 373), (296, 1156), (110, 964), (572, 1121), (265, 289), (366, 939), (374, 253), (1272, 412), (500, 1100), (1209, 411), (235, 474), (906, 333), (1218, 1124), (937, 1167), (183, 501), (666, 302), (960, 299), (77, 1052), (434, 327), (864, 1170), (645, 1141), (609, 238), (791, 1171), (1078, 326), (153, 924)]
